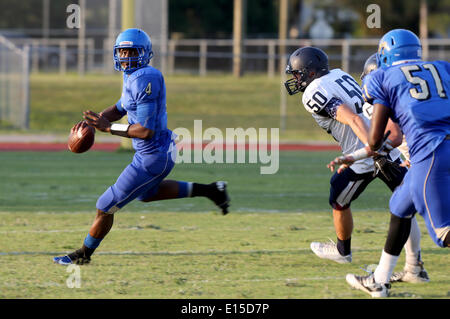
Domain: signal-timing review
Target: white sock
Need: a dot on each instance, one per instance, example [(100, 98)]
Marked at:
[(412, 246), (385, 267)]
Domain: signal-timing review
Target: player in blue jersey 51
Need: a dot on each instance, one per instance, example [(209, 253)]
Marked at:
[(413, 93), (335, 101), (143, 100)]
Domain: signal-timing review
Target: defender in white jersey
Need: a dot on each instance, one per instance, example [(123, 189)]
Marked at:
[(335, 101)]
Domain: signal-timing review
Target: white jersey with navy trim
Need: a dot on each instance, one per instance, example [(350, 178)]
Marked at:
[(321, 98)]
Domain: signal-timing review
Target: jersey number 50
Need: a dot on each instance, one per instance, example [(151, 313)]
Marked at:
[(425, 89)]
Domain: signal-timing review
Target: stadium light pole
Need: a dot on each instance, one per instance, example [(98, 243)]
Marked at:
[(128, 21), (423, 26), (164, 34), (82, 38), (239, 13), (112, 26), (282, 35), (45, 27)]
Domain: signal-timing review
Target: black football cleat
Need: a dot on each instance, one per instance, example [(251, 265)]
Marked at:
[(219, 196), (66, 260)]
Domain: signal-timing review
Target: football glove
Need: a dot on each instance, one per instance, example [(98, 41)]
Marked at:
[(390, 170)]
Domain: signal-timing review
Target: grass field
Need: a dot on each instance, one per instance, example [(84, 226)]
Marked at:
[(184, 248)]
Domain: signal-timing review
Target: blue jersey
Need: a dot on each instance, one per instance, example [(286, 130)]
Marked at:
[(144, 101), (417, 94)]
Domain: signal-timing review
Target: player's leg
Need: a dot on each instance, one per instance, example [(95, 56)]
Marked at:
[(402, 209), (343, 225), (99, 229), (171, 189), (431, 186), (345, 187), (136, 179), (414, 271)]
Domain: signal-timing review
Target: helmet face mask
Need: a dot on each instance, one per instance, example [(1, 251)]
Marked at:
[(305, 64), (297, 83), (139, 53), (134, 60)]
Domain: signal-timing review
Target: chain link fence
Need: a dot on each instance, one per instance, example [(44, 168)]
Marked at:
[(203, 56)]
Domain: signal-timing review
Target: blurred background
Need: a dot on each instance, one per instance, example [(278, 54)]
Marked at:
[(223, 60)]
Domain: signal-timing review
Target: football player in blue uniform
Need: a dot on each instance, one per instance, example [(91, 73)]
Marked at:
[(413, 271), (413, 93), (143, 100)]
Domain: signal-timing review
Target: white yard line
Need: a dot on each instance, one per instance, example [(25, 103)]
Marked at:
[(175, 253)]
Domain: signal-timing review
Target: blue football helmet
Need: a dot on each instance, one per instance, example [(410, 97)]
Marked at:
[(133, 39), (397, 45)]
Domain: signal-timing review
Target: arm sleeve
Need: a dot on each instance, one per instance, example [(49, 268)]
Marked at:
[(331, 107), (120, 108), (145, 91)]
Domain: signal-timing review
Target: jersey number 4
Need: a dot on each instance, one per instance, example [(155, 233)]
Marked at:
[(424, 92)]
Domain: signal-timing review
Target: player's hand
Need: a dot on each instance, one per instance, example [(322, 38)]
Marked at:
[(406, 164), (343, 161), (78, 126), (98, 121)]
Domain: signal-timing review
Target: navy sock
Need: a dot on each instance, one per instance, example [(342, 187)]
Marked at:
[(344, 246), (184, 189), (201, 189), (88, 248)]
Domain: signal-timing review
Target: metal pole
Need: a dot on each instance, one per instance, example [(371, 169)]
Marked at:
[(128, 17), (345, 55), (171, 56), (62, 57), (282, 34), (203, 53), (45, 29), (238, 33), (82, 38), (271, 58), (282, 31), (164, 35), (91, 54), (424, 28), (128, 21), (109, 42), (26, 89), (35, 56)]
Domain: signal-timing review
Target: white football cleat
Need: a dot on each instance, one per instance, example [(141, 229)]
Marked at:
[(368, 284), (411, 273), (330, 251)]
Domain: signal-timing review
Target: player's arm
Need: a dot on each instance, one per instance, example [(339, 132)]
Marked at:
[(112, 113), (125, 130), (395, 137), (346, 116), (392, 131), (380, 119)]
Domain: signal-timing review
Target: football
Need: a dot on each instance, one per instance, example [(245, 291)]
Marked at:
[(82, 139)]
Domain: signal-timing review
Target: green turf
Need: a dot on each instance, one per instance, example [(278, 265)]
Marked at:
[(222, 101), (184, 248)]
